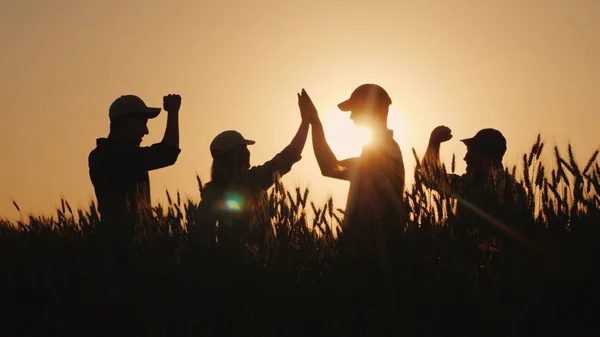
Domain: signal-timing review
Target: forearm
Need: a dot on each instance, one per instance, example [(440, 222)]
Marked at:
[(171, 136), (432, 154), (433, 175), (323, 153), (299, 139), (263, 175), (430, 165)]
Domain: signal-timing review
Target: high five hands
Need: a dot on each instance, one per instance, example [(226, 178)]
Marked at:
[(308, 111)]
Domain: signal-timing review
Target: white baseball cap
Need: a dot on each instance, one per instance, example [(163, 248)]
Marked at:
[(128, 104)]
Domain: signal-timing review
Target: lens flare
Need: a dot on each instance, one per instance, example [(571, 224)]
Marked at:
[(234, 202)]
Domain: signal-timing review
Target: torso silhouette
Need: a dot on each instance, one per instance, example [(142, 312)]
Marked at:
[(377, 180), (232, 205), (119, 174)]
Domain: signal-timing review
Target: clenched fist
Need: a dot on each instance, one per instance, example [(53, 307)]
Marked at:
[(440, 134), (172, 102)]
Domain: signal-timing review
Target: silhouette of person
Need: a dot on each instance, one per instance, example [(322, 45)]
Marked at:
[(375, 196), (485, 187), (484, 172), (374, 216), (119, 166), (237, 191)]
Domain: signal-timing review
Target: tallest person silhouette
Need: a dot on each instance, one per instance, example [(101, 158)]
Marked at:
[(376, 178)]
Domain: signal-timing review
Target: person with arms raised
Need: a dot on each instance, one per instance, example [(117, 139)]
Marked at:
[(236, 192), (119, 166), (375, 197), (375, 215), (485, 191)]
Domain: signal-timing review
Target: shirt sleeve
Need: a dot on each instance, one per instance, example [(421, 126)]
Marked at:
[(156, 156), (147, 158), (263, 176)]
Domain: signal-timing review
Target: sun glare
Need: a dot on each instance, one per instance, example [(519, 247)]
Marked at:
[(344, 137)]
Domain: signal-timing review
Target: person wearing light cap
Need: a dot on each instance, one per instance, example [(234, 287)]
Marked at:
[(374, 206), (118, 166), (236, 189)]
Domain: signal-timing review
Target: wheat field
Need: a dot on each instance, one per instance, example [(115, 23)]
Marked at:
[(519, 273)]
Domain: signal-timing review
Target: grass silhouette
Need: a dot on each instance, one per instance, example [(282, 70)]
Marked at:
[(519, 273)]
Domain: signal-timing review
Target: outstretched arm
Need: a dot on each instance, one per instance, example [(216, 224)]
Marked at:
[(263, 176), (282, 162), (299, 140), (328, 163)]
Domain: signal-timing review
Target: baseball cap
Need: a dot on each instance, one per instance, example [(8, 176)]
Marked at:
[(488, 140), (226, 141), (128, 104), (366, 93)]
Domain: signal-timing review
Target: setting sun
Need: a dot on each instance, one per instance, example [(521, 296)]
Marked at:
[(293, 225), (344, 137)]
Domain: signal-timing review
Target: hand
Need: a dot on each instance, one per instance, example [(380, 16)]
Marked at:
[(172, 102), (307, 108), (440, 134)]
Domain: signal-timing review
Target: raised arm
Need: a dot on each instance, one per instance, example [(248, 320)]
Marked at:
[(291, 154), (328, 163), (299, 140), (263, 176), (283, 161), (431, 168), (172, 103)]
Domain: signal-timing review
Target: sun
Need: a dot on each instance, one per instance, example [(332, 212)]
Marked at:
[(343, 136), (346, 139)]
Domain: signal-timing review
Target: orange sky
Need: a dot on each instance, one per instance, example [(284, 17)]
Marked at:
[(520, 66)]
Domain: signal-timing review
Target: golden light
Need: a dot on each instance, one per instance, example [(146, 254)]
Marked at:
[(403, 128), (344, 137)]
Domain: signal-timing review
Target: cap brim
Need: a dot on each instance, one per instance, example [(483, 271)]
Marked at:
[(346, 105), (468, 141), (249, 142), (152, 112)]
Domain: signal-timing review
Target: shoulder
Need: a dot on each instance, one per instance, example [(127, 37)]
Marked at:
[(92, 155), (208, 190), (457, 181), (210, 195), (98, 152)]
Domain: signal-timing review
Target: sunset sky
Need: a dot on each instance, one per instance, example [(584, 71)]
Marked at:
[(522, 67)]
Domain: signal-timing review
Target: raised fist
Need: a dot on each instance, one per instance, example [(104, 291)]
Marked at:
[(440, 134), (171, 102)]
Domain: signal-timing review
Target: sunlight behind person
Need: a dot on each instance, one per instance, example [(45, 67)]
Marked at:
[(345, 138)]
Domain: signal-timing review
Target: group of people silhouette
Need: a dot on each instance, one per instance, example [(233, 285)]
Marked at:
[(119, 166)]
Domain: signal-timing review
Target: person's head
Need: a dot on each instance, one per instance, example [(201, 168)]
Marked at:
[(368, 105), (230, 154), (129, 117), (486, 147)]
